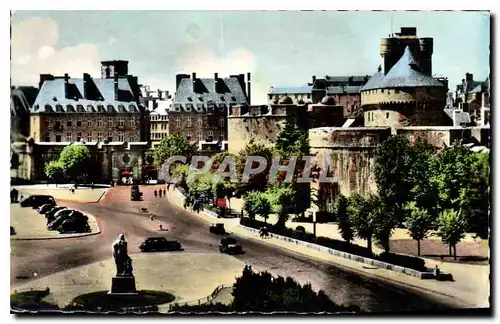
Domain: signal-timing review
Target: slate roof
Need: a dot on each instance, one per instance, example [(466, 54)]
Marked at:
[(290, 89), (404, 74), (343, 89), (345, 79), (19, 104), (51, 97), (461, 116), (230, 92)]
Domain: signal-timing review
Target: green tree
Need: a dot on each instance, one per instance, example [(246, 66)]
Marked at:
[(392, 174), (224, 188), (292, 140), (358, 210), (282, 200), (418, 222), (54, 170), (256, 181), (263, 207), (250, 201), (340, 209), (201, 186), (382, 220), (173, 145), (451, 228), (75, 160), (179, 175)]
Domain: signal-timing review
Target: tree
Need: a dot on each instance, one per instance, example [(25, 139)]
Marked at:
[(179, 175), (418, 222), (201, 186), (382, 220), (340, 210), (292, 140), (224, 189), (451, 228), (282, 200), (250, 202), (173, 145), (256, 181), (75, 159), (263, 207), (54, 170), (392, 174), (358, 210)]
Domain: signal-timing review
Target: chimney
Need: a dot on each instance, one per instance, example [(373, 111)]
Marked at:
[(249, 85), (66, 85), (314, 79), (115, 82), (43, 78), (216, 82), (193, 77), (178, 79), (86, 86), (468, 76)]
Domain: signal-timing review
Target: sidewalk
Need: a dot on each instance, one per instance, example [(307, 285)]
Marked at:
[(471, 287), (85, 195)]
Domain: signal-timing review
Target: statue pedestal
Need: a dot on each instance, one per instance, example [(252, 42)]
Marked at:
[(123, 286)]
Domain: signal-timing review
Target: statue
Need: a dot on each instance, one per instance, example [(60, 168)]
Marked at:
[(122, 260)]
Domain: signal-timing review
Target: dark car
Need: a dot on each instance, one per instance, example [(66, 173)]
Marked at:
[(76, 225), (159, 244), (72, 214), (229, 245), (50, 214), (217, 228), (36, 201), (45, 208), (135, 194)]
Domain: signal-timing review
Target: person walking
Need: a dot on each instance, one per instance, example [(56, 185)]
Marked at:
[(159, 192), (156, 193), (164, 193), (168, 186)]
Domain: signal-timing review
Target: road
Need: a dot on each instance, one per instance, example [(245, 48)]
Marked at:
[(117, 214)]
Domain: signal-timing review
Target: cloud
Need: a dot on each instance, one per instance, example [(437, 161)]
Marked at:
[(34, 50)]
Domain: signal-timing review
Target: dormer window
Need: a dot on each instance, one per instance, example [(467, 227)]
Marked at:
[(59, 108), (131, 108), (100, 108), (90, 108), (110, 108), (48, 107), (79, 108), (121, 108), (233, 98), (222, 98), (190, 99), (70, 108), (200, 98)]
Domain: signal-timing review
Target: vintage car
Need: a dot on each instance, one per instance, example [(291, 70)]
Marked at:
[(217, 228), (135, 194), (72, 214), (159, 244), (36, 201), (74, 225), (229, 245), (45, 208), (50, 214)]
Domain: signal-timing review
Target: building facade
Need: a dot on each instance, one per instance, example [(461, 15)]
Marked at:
[(201, 105), (90, 109), (474, 97), (21, 101)]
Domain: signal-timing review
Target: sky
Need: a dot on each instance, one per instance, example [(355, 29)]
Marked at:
[(277, 47)]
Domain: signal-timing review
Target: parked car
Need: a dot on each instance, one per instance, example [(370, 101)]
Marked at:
[(45, 208), (74, 225), (159, 244), (36, 201), (72, 214), (229, 245), (50, 214), (217, 228)]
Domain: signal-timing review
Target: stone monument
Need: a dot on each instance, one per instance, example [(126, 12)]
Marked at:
[(123, 283)]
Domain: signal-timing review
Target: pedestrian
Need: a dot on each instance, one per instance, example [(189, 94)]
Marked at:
[(164, 193), (168, 186), (156, 193), (161, 227), (92, 185), (159, 192), (152, 217)]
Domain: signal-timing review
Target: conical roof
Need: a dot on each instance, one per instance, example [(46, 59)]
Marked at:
[(404, 74)]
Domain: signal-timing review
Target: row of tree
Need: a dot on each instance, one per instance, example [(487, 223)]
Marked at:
[(422, 189)]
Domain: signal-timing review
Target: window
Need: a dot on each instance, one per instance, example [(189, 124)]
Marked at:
[(131, 137), (79, 122), (308, 96), (89, 137), (211, 133), (69, 137), (58, 123), (177, 122), (188, 135), (188, 122), (58, 137), (163, 126), (121, 137), (47, 137), (89, 122), (78, 137), (110, 137), (47, 122), (132, 122), (69, 123), (387, 115), (221, 122), (99, 122), (397, 90), (221, 136), (200, 122), (121, 122), (110, 122), (200, 136), (99, 136)]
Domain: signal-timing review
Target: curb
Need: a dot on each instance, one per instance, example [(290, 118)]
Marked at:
[(98, 231)]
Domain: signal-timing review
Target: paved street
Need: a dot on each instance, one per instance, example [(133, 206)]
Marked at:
[(117, 214)]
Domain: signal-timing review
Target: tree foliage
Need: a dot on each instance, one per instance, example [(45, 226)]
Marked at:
[(360, 218), (418, 222), (173, 145), (75, 160), (282, 200), (340, 210), (451, 228), (54, 170), (256, 181)]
